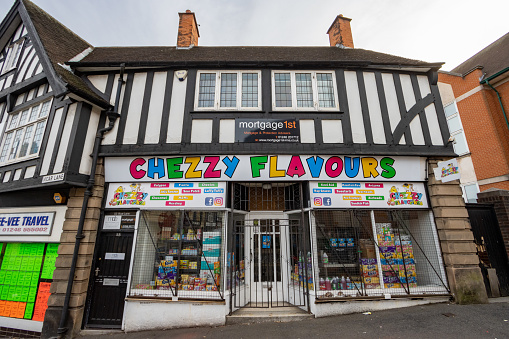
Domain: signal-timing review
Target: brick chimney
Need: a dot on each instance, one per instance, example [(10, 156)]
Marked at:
[(340, 33), (188, 33)]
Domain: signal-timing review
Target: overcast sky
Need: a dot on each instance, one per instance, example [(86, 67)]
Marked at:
[(433, 30)]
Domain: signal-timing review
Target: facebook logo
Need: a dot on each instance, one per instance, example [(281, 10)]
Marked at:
[(209, 201), (327, 201)]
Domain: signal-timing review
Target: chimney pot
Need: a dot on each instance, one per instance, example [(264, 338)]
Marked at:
[(188, 33), (340, 32)]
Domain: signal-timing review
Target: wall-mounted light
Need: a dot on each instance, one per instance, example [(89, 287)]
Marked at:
[(267, 186)]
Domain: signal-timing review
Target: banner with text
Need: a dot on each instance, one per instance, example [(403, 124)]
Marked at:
[(267, 130), (167, 195), (368, 195), (26, 223), (265, 168)]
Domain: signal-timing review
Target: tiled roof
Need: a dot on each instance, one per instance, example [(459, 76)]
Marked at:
[(61, 44), (493, 58), (140, 56)]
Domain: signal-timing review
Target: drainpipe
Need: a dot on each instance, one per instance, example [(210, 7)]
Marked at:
[(499, 101), (112, 117)]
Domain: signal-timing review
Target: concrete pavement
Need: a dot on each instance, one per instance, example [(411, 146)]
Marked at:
[(443, 320)]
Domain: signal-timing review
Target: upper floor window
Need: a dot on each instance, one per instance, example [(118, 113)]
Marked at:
[(23, 133), (304, 90), (228, 90), (13, 53), (456, 129)]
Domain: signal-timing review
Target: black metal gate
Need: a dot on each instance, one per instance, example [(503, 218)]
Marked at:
[(272, 264), (490, 244)]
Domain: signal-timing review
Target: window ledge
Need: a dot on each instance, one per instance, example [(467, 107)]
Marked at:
[(15, 161)]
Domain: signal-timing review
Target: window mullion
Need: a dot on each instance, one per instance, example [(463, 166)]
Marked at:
[(293, 84), (239, 90), (217, 94), (314, 88)]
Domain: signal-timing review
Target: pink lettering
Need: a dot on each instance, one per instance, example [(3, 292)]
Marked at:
[(210, 172), (133, 168), (331, 170), (295, 167)]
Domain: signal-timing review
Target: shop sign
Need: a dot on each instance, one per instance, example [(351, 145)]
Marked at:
[(119, 220), (265, 168), (368, 195), (26, 223), (53, 178), (447, 170), (267, 130), (166, 195)]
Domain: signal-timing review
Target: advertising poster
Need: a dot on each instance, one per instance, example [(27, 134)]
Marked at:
[(26, 223), (447, 170), (368, 195), (267, 130), (174, 194)]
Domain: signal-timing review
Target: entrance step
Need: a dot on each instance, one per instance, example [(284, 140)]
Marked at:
[(254, 315)]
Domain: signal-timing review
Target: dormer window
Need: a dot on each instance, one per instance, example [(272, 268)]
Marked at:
[(228, 90), (304, 91)]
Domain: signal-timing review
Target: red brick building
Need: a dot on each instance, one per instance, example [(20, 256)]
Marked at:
[(480, 87)]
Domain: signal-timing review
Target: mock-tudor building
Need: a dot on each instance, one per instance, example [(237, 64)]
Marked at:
[(159, 187)]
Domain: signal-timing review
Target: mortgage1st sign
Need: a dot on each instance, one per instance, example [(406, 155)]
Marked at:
[(26, 223)]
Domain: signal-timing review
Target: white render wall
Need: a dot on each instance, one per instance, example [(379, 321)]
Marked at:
[(157, 315)]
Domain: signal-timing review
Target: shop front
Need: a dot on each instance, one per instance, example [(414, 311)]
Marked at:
[(204, 236)]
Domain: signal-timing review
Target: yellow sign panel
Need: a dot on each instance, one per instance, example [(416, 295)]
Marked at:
[(169, 192), (352, 197), (183, 197), (365, 191)]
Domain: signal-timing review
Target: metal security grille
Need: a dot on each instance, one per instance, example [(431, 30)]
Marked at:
[(266, 196), (178, 254), (372, 253), (272, 264)]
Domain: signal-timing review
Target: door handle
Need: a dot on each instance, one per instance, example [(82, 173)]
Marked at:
[(97, 270)]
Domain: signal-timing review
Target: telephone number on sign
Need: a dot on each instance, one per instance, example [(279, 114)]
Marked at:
[(26, 230)]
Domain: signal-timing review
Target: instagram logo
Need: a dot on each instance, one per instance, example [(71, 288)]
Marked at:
[(318, 201), (218, 201)]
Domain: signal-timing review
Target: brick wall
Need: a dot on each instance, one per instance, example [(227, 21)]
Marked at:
[(484, 125), (456, 239), (64, 259)]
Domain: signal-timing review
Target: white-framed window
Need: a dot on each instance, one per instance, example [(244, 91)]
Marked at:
[(456, 129), (470, 192), (228, 90), (304, 91), (12, 56), (23, 133)]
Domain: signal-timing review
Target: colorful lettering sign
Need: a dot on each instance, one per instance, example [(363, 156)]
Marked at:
[(447, 170), (179, 195), (369, 195), (264, 168), (26, 223)]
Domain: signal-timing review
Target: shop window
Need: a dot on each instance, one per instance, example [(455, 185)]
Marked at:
[(228, 90), (456, 129), (23, 134), (25, 278), (304, 90), (363, 253), (178, 254), (13, 54)]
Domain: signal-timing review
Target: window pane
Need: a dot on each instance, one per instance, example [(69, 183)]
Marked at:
[(26, 141), (304, 90), (14, 120), (15, 144), (44, 109), (8, 138), (450, 110), (454, 124), (36, 143), (33, 113), (283, 90), (23, 119), (207, 90), (460, 144), (249, 90), (228, 90), (325, 90), (471, 193)]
